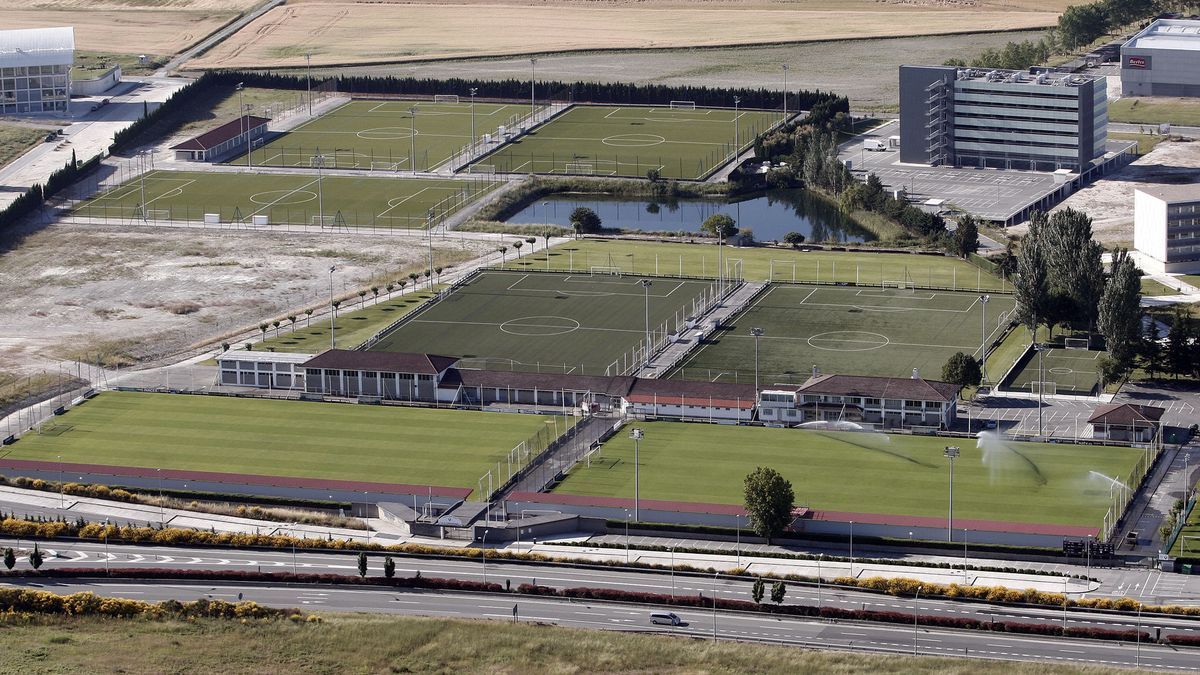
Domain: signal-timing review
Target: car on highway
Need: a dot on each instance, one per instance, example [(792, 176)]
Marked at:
[(666, 619)]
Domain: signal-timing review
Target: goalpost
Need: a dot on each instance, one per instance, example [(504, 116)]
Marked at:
[(157, 214), (385, 166), (1076, 343), (579, 168), (488, 169), (325, 161), (604, 271), (323, 221), (683, 105), (445, 98), (898, 284), (1041, 387)]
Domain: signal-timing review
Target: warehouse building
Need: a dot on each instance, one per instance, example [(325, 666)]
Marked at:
[(1166, 228), (1004, 119), (35, 70), (1162, 60)]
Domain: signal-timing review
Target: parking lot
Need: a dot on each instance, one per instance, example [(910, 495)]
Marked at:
[(1061, 417), (992, 194)]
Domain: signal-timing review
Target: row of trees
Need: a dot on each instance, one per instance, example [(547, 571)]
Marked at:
[(32, 199), (1060, 277)]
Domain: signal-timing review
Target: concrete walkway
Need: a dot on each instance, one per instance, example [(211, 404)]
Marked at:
[(675, 352), (1148, 510)]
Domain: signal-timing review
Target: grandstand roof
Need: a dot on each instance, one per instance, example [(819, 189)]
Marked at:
[(37, 47)]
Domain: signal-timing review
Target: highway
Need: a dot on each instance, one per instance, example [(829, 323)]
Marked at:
[(699, 623), (93, 555)]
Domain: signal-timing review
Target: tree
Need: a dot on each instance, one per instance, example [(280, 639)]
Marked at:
[(361, 296), (719, 225), (335, 304), (517, 247), (962, 369), (793, 239), (308, 317), (10, 558), (778, 591), (653, 175), (1119, 318), (503, 250), (292, 320), (362, 564), (389, 288), (389, 567), (966, 236), (438, 272), (1030, 283), (1151, 350), (758, 590), (532, 241), (263, 327), (35, 557), (584, 220), (375, 292), (1178, 351), (275, 325), (1110, 370), (769, 501)]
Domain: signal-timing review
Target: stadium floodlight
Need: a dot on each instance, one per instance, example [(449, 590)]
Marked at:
[(736, 132), (532, 82), (785, 69), (332, 311), (308, 80), (412, 140), (951, 453), (637, 435), (646, 284), (983, 300), (1040, 347), (474, 90), (757, 333)]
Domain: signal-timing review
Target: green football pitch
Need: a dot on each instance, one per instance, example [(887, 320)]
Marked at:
[(384, 135), (291, 199), (450, 448), (629, 141), (574, 323), (1062, 371), (849, 330), (861, 472)]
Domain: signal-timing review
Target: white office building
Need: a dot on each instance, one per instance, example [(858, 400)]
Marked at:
[(1162, 60), (35, 70), (1166, 228)]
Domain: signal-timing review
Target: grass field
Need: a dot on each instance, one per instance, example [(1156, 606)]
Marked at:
[(449, 448), (286, 198), (575, 323), (16, 141), (862, 472), (384, 135), (361, 643), (760, 264), (1150, 287), (352, 326), (1180, 111), (1073, 371), (847, 330), (629, 141), (1188, 543)]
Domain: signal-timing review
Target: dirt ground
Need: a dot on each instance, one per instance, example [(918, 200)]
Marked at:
[(126, 26), (343, 31), (1109, 201), (865, 70), (71, 290)]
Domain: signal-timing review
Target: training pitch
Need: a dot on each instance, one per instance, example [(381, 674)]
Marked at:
[(385, 135), (849, 330), (590, 324), (1063, 371), (862, 472), (629, 141), (449, 448), (292, 199)]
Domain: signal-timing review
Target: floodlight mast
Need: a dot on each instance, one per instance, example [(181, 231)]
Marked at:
[(951, 453), (637, 435)]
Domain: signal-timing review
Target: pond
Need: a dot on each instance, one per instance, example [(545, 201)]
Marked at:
[(770, 214)]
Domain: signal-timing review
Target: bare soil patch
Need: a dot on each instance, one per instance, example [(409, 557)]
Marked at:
[(133, 30), (77, 291), (345, 32)]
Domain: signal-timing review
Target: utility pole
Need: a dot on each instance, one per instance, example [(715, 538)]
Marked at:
[(983, 300), (412, 146), (646, 283), (474, 90), (332, 312), (785, 92)]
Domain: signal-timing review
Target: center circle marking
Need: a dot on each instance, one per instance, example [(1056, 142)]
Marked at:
[(1060, 370), (388, 133), (540, 326), (848, 341), (285, 198), (634, 140)]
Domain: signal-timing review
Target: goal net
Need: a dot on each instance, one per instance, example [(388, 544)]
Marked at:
[(1075, 343), (157, 214), (683, 105), (579, 168), (445, 98), (1040, 387), (605, 271), (326, 161), (385, 166), (323, 221), (257, 142), (898, 284), (489, 169)]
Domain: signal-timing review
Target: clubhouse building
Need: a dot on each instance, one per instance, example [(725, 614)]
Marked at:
[(376, 377)]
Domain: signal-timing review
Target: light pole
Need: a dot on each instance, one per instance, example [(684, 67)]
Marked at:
[(852, 549), (319, 160), (1039, 347), (1138, 661), (62, 498), (983, 300), (951, 453), (646, 284), (673, 572), (412, 140), (736, 130), (785, 69), (429, 239), (715, 575), (332, 311), (757, 333), (636, 434), (916, 608), (474, 90), (308, 79), (483, 553), (106, 557), (142, 171), (820, 557), (627, 537), (244, 119), (532, 82)]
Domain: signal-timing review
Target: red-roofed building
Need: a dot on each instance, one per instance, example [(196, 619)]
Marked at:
[(887, 402), (691, 400), (214, 144), (1126, 422)]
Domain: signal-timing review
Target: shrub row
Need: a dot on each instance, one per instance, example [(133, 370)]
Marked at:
[(27, 602), (32, 199), (165, 117)]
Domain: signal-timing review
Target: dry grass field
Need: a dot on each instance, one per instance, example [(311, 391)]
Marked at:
[(143, 26), (343, 31)]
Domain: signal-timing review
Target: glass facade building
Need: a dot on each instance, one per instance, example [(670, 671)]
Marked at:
[(35, 70)]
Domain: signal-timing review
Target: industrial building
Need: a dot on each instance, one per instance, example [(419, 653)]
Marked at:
[(1166, 228), (1163, 59), (35, 70), (1004, 119)]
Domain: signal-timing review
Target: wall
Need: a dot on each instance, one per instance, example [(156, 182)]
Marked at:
[(1150, 225), (97, 85), (1168, 72)]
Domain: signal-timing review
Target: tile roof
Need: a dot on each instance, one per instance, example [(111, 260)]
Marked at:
[(503, 379), (388, 362), (689, 392), (229, 130), (879, 387), (1126, 414)]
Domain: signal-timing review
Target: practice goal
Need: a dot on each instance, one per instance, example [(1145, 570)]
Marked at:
[(445, 98), (325, 161), (156, 214), (323, 221), (683, 105), (604, 271), (898, 284), (488, 169), (385, 166), (1075, 343), (579, 168), (1040, 387)]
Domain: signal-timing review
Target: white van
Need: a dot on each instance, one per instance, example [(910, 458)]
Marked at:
[(668, 619), (874, 144)]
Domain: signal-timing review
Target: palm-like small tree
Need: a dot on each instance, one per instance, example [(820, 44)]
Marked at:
[(263, 327), (292, 320), (275, 324), (401, 284), (336, 304), (375, 291), (308, 317), (361, 298), (414, 276), (517, 247), (389, 288), (532, 241), (438, 272)]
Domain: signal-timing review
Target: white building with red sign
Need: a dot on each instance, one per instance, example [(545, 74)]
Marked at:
[(1163, 59)]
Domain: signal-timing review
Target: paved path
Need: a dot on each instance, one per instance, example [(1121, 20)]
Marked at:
[(1148, 510), (673, 353)]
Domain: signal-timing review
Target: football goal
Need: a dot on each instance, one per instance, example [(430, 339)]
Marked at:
[(898, 284), (385, 166), (1041, 387), (325, 161), (323, 221), (683, 105), (157, 214), (605, 271), (1075, 343), (579, 168), (445, 98), (488, 169)]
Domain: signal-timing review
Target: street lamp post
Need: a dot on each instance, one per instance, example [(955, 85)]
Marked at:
[(951, 453), (483, 553), (319, 160), (637, 435), (672, 572), (1039, 347), (429, 240), (983, 300), (532, 82), (412, 140), (820, 557), (757, 333), (736, 130), (106, 570), (646, 284), (474, 90), (785, 69), (852, 549), (332, 311), (308, 79), (715, 575), (916, 608)]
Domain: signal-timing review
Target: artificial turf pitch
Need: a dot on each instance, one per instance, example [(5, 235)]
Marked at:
[(631, 140), (296, 199), (861, 472), (849, 330), (373, 134), (575, 323), (1071, 371), (449, 448)]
